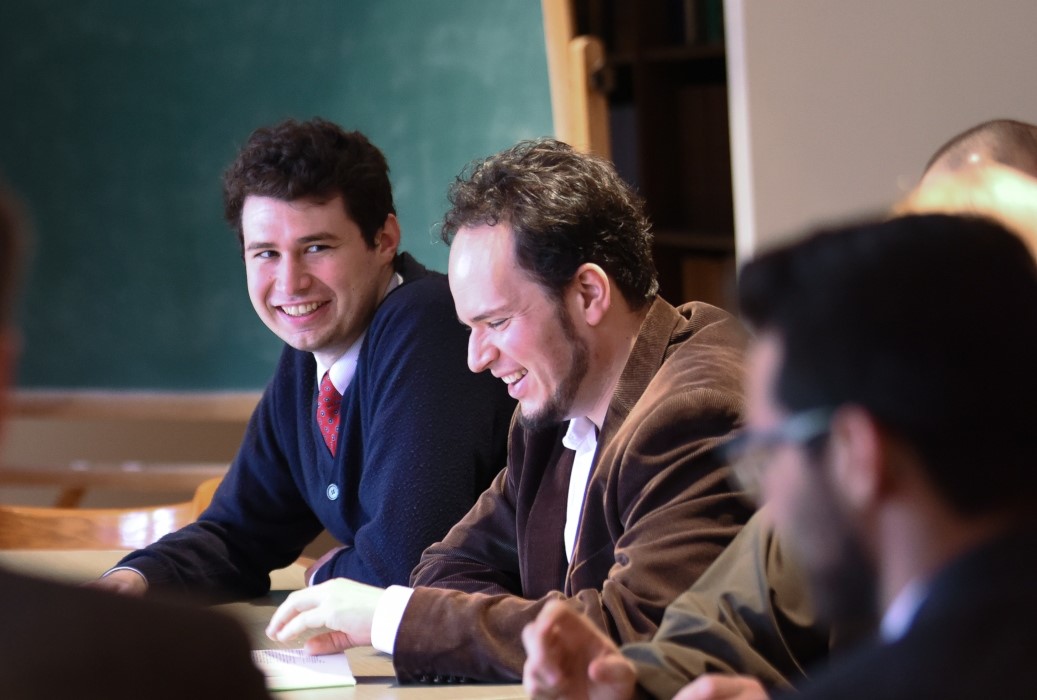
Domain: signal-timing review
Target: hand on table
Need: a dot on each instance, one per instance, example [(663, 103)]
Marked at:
[(339, 612), (714, 686), (568, 658), (122, 581)]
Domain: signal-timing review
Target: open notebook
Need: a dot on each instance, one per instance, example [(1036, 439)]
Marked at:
[(289, 669)]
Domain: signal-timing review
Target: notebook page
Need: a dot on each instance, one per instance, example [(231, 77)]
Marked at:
[(290, 669)]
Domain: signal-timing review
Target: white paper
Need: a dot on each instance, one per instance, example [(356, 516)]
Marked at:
[(290, 669)]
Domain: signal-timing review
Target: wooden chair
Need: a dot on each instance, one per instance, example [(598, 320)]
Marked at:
[(31, 527), (203, 495)]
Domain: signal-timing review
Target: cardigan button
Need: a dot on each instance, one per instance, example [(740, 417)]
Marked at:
[(332, 492)]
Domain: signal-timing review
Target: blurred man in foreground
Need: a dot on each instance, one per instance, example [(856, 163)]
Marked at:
[(60, 641)]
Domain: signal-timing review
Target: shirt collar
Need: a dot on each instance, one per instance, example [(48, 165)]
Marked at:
[(581, 435), (343, 369), (901, 612)]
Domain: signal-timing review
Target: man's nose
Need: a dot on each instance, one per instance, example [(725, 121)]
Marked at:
[(292, 276), (480, 352)]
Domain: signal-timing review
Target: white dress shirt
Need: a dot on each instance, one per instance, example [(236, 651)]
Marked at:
[(582, 438)]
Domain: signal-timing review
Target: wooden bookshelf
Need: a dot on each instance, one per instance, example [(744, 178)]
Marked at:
[(665, 78)]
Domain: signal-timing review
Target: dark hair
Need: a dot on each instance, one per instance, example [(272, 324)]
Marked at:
[(317, 159), (1005, 141), (565, 209), (927, 322), (12, 231)]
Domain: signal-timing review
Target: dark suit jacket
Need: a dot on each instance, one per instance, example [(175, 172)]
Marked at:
[(657, 511), (59, 641), (975, 636)]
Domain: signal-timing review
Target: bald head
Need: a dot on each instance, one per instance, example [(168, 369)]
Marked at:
[(1004, 194), (1005, 141)]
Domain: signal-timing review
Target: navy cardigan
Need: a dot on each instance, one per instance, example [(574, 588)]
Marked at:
[(420, 438)]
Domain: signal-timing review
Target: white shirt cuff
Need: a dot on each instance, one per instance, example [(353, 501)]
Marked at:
[(127, 568), (387, 617), (317, 570)]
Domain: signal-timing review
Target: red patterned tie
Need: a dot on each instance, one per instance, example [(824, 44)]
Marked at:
[(328, 404)]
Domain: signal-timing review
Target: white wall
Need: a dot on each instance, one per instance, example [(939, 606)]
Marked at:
[(836, 105)]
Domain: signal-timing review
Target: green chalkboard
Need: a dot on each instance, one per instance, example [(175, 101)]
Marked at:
[(119, 117)]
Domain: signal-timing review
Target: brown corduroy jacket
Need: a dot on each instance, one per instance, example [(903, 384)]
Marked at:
[(658, 509)]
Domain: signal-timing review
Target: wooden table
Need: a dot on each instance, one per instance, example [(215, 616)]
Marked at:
[(373, 670)]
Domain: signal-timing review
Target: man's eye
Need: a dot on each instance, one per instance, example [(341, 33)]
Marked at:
[(497, 325), (316, 248), (265, 254)]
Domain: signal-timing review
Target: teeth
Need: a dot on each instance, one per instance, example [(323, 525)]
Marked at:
[(513, 377), (300, 309)]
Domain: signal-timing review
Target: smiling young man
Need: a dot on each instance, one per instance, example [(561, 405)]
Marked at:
[(372, 427), (610, 501), (312, 278)]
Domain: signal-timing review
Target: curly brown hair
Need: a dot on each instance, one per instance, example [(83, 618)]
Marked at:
[(565, 209), (312, 159)]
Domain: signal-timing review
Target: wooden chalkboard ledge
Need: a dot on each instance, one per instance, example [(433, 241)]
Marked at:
[(131, 405)]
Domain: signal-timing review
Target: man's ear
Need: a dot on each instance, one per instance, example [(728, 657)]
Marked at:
[(387, 238), (858, 457), (594, 291)]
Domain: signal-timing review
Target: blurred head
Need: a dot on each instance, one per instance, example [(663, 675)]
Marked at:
[(920, 320), (988, 170), (1006, 141), (997, 191), (564, 209), (312, 160), (314, 213), (924, 325)]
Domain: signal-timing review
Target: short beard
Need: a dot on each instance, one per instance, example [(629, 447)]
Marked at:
[(557, 408), (846, 593), (843, 578)]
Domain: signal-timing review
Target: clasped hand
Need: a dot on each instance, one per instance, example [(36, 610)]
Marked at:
[(570, 659)]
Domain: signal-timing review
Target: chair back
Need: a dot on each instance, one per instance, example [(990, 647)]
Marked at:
[(203, 495), (32, 527)]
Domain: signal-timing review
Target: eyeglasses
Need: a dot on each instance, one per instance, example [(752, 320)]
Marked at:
[(751, 451)]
